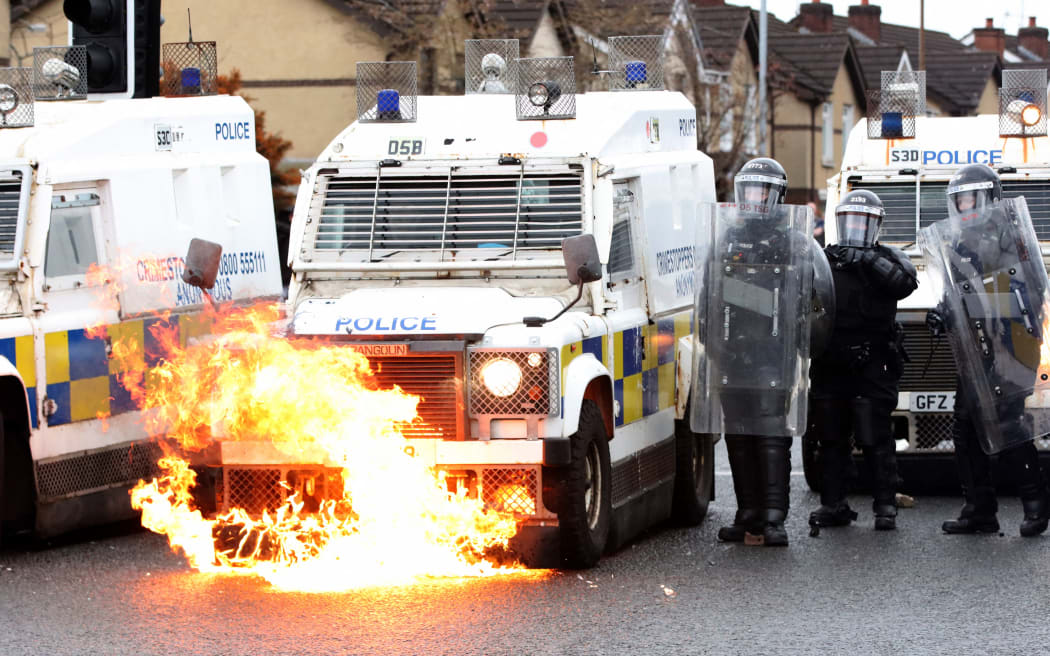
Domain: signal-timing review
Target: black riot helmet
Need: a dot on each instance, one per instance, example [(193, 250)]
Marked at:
[(759, 186), (859, 217), (973, 189)]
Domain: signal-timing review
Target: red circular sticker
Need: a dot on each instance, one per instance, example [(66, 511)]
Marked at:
[(538, 139)]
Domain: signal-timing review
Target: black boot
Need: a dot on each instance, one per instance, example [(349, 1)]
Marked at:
[(977, 515), (1023, 463), (774, 456), (831, 425), (885, 516), (882, 468), (838, 515), (1035, 516), (743, 461)]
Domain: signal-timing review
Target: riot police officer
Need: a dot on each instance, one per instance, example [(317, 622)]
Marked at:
[(983, 247), (854, 381), (760, 463)]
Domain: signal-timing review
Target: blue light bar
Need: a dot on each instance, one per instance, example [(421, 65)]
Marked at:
[(388, 104), (892, 124), (634, 73), (191, 80)]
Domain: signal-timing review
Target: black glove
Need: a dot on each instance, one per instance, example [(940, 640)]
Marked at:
[(845, 255), (935, 322)]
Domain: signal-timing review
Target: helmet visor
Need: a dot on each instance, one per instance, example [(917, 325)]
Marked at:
[(858, 225), (967, 200), (757, 194)]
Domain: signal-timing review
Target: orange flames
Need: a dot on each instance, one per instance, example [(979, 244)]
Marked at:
[(393, 521)]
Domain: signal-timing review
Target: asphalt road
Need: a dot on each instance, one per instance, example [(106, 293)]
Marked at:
[(675, 591)]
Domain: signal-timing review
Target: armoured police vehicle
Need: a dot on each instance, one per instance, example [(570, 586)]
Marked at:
[(429, 235), (907, 158), (123, 184)]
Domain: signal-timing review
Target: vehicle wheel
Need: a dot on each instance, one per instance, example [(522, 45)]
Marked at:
[(694, 474), (810, 462), (585, 490)]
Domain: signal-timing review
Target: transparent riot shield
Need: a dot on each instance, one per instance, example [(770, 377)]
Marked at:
[(995, 297), (752, 320), (822, 305)]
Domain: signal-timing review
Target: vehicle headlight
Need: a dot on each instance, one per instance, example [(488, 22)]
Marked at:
[(502, 377)]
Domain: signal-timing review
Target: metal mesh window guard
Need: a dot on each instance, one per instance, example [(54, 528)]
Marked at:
[(386, 91), (1022, 103), (546, 88), (60, 73), (904, 215), (892, 109), (16, 97), (189, 68), (636, 63), (491, 65), (503, 211)]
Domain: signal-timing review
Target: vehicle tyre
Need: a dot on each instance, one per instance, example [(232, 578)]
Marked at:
[(694, 474), (585, 491), (810, 462)]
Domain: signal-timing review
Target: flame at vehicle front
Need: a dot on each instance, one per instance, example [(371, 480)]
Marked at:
[(395, 520)]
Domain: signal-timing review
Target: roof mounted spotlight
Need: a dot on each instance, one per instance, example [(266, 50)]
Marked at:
[(1022, 103), (544, 94), (546, 88), (60, 73), (16, 98), (893, 108), (490, 65)]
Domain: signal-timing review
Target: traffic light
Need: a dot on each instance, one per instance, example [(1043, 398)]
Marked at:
[(122, 38)]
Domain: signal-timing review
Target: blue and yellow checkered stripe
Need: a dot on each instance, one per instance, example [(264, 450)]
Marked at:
[(19, 350), (643, 367), (83, 380)]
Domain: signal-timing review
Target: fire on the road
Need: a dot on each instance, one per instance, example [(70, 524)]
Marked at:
[(396, 520)]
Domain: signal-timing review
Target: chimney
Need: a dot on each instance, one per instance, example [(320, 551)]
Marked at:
[(709, 3), (1034, 39), (866, 19), (815, 16), (990, 38)]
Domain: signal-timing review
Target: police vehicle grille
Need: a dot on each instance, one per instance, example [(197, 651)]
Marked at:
[(510, 489), (67, 476), (516, 210), (10, 195), (252, 489), (899, 199), (533, 395), (933, 432), (433, 379), (917, 377)]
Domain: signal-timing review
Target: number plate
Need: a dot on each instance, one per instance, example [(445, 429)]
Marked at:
[(904, 155), (405, 146), (931, 401)]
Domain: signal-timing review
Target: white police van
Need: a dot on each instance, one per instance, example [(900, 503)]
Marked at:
[(123, 184), (910, 175), (428, 235)]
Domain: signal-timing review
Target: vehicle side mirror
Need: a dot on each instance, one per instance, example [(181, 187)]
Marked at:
[(581, 259), (202, 263)]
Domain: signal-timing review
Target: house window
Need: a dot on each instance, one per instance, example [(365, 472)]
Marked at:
[(847, 125), (828, 136)]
